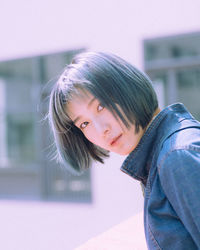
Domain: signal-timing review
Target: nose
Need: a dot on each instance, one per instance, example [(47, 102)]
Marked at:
[(102, 127)]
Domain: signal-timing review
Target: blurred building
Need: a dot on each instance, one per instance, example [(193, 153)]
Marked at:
[(26, 145), (173, 63)]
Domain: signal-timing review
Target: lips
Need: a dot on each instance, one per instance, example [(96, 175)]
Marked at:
[(115, 140)]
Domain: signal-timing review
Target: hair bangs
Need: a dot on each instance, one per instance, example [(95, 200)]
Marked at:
[(117, 82)]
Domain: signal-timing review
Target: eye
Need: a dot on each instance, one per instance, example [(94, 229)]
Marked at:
[(100, 107), (83, 125)]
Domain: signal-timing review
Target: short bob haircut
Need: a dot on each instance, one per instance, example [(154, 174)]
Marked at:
[(112, 81)]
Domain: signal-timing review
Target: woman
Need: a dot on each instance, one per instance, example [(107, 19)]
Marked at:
[(101, 103)]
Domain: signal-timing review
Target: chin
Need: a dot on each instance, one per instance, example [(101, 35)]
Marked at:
[(127, 151), (123, 153)]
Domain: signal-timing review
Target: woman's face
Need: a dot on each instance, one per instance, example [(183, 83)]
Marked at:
[(100, 126)]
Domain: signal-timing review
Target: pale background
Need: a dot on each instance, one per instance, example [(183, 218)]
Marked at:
[(38, 27)]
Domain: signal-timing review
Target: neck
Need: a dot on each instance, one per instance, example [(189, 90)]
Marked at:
[(156, 112), (154, 115)]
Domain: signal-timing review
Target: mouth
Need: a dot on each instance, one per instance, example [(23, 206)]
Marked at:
[(115, 140)]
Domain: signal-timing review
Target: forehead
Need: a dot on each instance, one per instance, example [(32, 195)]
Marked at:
[(78, 103), (80, 96)]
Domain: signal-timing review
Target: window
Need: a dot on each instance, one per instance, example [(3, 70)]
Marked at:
[(26, 168), (174, 63)]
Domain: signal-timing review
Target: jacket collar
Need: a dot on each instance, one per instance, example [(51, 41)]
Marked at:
[(138, 162)]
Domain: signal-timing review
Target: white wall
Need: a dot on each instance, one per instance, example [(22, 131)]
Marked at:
[(115, 193), (39, 26)]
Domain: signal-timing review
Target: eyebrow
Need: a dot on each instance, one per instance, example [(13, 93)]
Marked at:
[(89, 104)]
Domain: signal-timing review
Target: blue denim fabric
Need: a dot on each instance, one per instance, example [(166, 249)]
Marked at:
[(167, 163)]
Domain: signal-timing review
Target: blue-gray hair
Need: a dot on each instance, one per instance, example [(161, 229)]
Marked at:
[(113, 81)]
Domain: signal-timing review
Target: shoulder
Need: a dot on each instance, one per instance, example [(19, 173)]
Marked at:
[(180, 150), (180, 171)]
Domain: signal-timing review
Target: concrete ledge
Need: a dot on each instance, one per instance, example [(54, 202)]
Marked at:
[(128, 235)]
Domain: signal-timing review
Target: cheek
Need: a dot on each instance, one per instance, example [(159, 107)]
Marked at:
[(90, 134)]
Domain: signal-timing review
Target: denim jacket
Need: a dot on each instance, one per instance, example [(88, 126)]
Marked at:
[(167, 163)]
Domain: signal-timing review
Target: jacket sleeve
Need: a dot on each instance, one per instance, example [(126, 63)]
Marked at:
[(180, 179)]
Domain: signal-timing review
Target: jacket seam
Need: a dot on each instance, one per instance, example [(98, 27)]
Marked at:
[(153, 238)]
